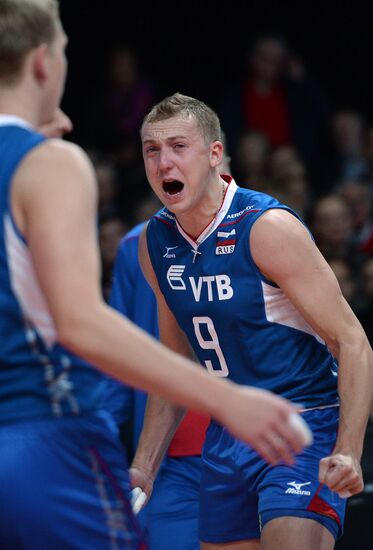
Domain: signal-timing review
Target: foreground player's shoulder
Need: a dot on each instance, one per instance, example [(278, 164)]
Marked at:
[(57, 178), (56, 162), (56, 149)]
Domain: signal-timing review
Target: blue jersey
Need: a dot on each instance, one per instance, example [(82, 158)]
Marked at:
[(38, 377), (240, 324)]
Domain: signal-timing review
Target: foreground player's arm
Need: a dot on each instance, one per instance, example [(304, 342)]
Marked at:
[(54, 204), (285, 253)]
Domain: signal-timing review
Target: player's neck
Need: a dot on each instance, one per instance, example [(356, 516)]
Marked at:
[(15, 102), (195, 221)]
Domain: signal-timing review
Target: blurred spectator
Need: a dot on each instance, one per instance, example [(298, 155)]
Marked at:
[(148, 206), (265, 106), (348, 136), (278, 99), (129, 98), (332, 227), (281, 162), (111, 230), (251, 160), (114, 120), (359, 197), (289, 179), (107, 181), (297, 195)]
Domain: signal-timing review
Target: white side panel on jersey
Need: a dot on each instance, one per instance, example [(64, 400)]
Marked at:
[(280, 310), (25, 285)]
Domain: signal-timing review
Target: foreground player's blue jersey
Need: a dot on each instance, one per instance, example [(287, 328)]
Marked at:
[(38, 377), (240, 324)]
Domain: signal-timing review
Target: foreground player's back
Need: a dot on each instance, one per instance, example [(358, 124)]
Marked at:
[(42, 378)]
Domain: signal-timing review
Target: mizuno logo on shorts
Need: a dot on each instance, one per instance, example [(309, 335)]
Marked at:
[(296, 488)]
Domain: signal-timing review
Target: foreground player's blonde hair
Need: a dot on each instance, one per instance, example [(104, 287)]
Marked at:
[(185, 106), (24, 25)]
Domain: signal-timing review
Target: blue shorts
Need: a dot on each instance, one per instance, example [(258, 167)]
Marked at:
[(240, 493), (173, 510), (64, 484)]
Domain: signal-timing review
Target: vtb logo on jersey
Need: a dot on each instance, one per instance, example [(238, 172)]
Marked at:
[(226, 242), (174, 277), (207, 287)]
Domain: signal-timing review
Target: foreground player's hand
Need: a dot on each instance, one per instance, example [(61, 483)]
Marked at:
[(342, 474), (266, 422)]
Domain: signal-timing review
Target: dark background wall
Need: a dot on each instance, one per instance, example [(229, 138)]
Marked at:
[(198, 48)]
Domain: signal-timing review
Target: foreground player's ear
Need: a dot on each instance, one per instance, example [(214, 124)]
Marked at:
[(216, 153), (39, 62)]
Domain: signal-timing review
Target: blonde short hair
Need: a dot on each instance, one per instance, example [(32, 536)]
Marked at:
[(185, 106), (24, 25)]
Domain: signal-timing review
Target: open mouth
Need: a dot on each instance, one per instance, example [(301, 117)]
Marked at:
[(173, 187)]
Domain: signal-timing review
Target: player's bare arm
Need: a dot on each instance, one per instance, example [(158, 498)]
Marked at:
[(285, 253), (54, 202), (162, 417)]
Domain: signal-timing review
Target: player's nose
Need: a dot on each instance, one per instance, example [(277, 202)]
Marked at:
[(164, 161)]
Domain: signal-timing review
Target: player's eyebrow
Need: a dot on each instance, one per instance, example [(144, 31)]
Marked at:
[(171, 138)]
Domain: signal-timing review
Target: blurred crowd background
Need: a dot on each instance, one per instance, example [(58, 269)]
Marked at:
[(291, 89)]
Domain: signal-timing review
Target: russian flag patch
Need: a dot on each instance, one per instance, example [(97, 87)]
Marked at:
[(226, 242)]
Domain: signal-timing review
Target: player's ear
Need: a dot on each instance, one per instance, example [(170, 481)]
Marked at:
[(40, 62), (216, 153)]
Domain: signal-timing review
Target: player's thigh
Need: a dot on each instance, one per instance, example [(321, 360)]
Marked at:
[(292, 533), (239, 545)]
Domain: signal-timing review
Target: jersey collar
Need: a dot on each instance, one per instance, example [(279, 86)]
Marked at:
[(229, 194), (12, 120)]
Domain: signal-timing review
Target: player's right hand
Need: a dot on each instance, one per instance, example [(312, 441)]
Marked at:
[(266, 422)]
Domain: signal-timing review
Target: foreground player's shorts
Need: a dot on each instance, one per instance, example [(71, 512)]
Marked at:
[(240, 492), (64, 484)]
